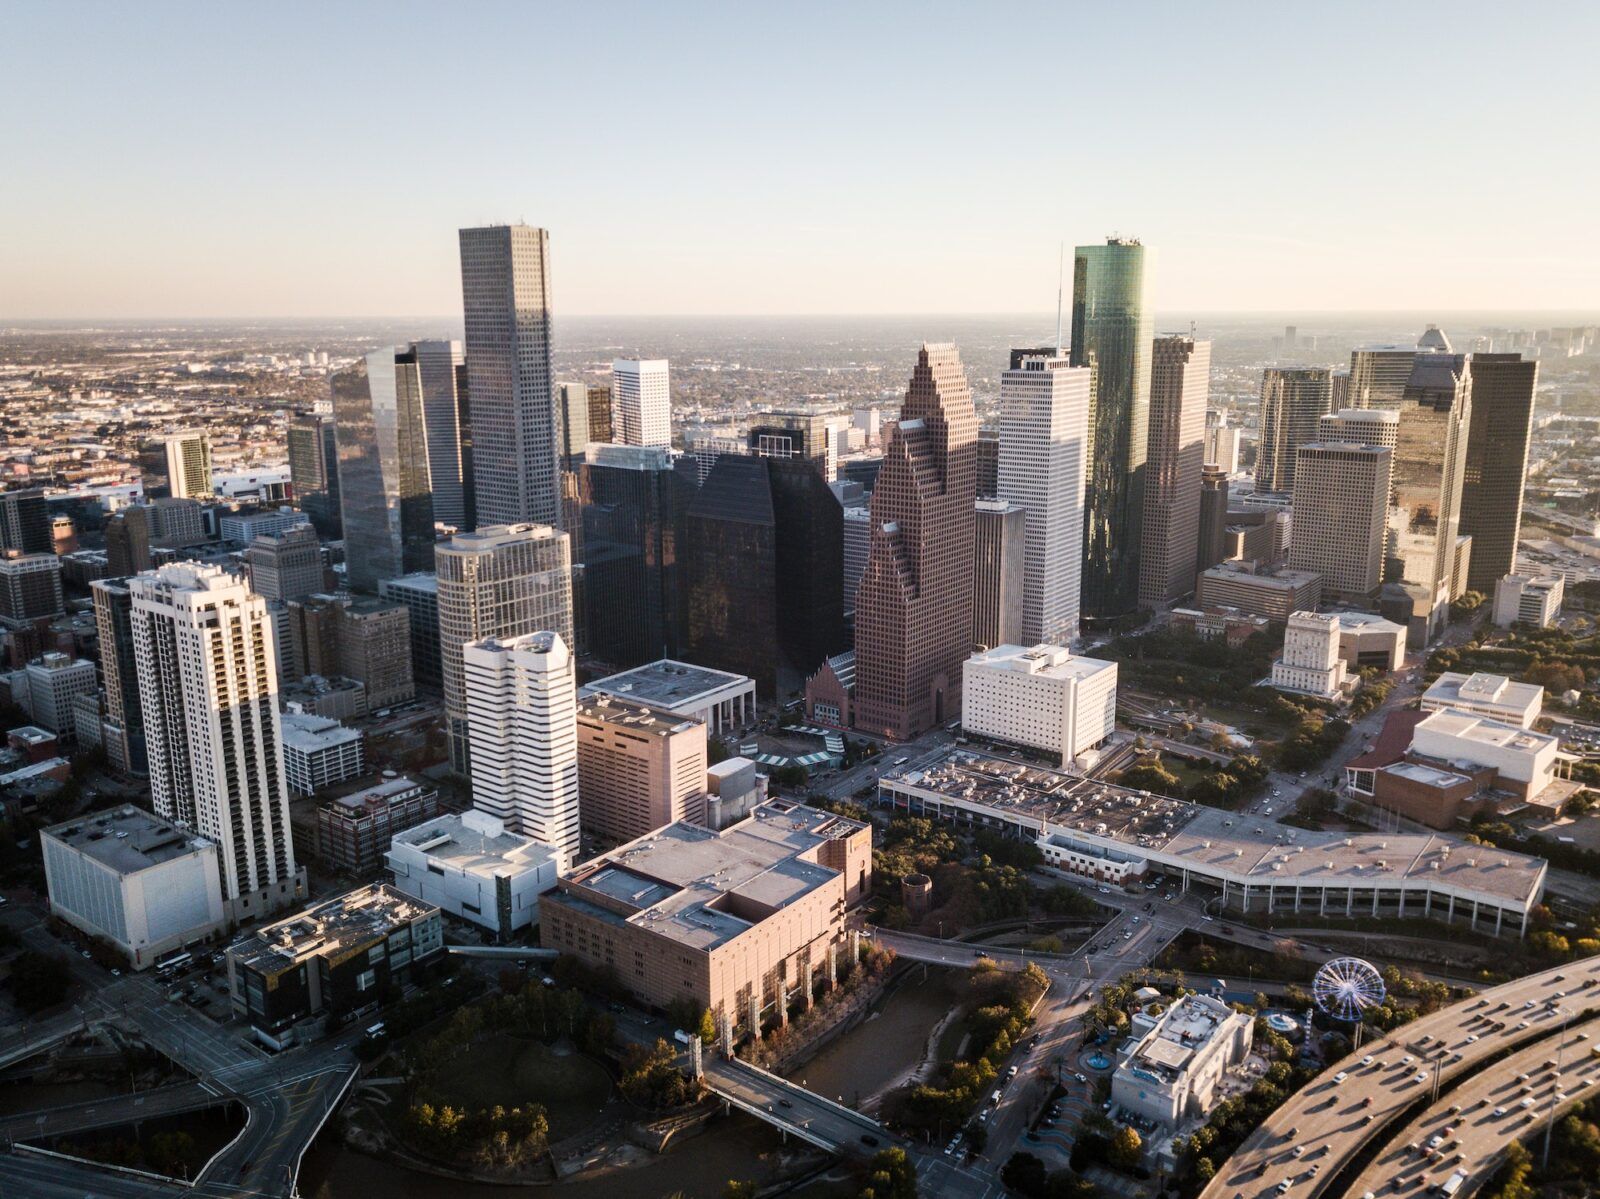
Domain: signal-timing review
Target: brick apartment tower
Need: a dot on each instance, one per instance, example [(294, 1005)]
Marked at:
[(914, 604)]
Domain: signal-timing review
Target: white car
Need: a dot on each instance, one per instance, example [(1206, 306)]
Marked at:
[(1419, 1076), (1340, 1077), (1368, 1060)]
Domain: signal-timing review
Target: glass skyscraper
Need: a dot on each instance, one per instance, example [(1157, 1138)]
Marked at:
[(1111, 334), (314, 470)]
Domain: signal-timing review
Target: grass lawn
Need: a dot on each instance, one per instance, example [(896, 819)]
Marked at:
[(509, 1071)]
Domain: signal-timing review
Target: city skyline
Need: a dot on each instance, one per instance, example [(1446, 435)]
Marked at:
[(743, 215)]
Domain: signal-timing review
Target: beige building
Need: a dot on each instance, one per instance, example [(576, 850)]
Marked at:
[(638, 769), (1180, 381), (1272, 592), (734, 921), (1340, 513)]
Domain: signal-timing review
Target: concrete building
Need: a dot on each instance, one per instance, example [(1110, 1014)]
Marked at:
[(1524, 762), (1042, 697), (246, 525), (1491, 695), (638, 768), (999, 572), (723, 702), (134, 879), (203, 649), (1368, 640), (1212, 540), (1043, 454), (736, 922), (1339, 516), (188, 465), (338, 959), (914, 606), (1223, 439), (641, 402), (1293, 400), (1361, 426), (286, 565), (353, 831), (499, 581), (1273, 593), (1180, 383), (1173, 1072), (522, 711), (30, 588), (1310, 664), (46, 687), (319, 753), (1228, 625), (1522, 600), (505, 292), (419, 594), (470, 865), (857, 539), (334, 698), (356, 637)]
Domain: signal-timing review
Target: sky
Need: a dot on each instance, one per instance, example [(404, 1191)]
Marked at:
[(223, 160)]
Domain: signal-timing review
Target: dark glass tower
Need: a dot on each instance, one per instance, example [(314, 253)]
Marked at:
[(1111, 333), (1497, 464), (25, 521), (314, 470)]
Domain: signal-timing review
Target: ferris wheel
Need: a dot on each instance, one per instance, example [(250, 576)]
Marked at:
[(1346, 987)]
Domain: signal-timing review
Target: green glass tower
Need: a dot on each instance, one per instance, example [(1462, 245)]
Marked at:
[(1111, 334)]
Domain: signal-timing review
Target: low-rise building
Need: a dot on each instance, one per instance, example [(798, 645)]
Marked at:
[(1273, 592), (419, 593), (335, 698), (736, 922), (471, 866), (830, 690), (1524, 762), (722, 700), (134, 879), (1519, 599), (46, 687), (1042, 697), (638, 768), (1367, 640), (1228, 625), (340, 958), (354, 831), (319, 752), (1173, 1072), (1491, 695), (1310, 664)]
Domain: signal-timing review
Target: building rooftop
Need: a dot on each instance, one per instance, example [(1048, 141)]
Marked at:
[(1045, 661), (1428, 776), (635, 717), (377, 794), (702, 888), (127, 839), (476, 843), (30, 734), (1368, 622), (1182, 1031), (336, 927), (421, 581), (308, 734), (665, 684), (1282, 578), (1481, 730)]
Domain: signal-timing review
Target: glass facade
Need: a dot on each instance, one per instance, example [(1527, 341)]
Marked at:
[(1111, 333), (1497, 464), (314, 471)]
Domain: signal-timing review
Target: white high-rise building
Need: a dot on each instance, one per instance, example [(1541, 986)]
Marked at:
[(522, 711), (499, 581), (1310, 663), (203, 651), (641, 402), (1363, 426), (505, 293), (189, 465), (1340, 515), (1044, 439), (1040, 696), (1222, 441)]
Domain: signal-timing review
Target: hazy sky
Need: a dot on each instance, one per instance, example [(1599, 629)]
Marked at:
[(223, 159)]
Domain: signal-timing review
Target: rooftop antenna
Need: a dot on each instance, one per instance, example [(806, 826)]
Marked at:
[(1061, 274)]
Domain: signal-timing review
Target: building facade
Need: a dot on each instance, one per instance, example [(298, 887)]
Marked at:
[(286, 565), (319, 753), (354, 831), (638, 769), (1497, 464), (1041, 696), (1180, 384), (313, 450), (419, 595), (999, 570), (1340, 516), (1293, 401), (641, 402), (188, 465), (1521, 600), (442, 380), (469, 865), (113, 618), (1311, 663)]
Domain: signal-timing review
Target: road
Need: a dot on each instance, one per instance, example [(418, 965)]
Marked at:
[(105, 1113), (1525, 1089), (1447, 1045), (794, 1109)]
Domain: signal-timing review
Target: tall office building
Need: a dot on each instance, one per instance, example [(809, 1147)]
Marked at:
[(572, 414), (987, 485), (857, 531), (795, 435), (1212, 537), (1340, 380), (442, 374), (1222, 441), (1180, 382), (1497, 464), (638, 768), (499, 581), (202, 645), (419, 594), (914, 605), (641, 402), (128, 541), (505, 291), (999, 568), (286, 565), (188, 465), (1363, 426), (1111, 334), (1425, 509), (1340, 510), (314, 470), (522, 708), (124, 720), (634, 503), (30, 588), (600, 422), (25, 521), (1378, 375), (1043, 448), (1293, 400), (384, 480)]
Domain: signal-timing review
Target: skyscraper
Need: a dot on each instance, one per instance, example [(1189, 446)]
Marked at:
[(314, 470), (202, 645), (1340, 509), (999, 567), (124, 722), (600, 422), (914, 605), (505, 290), (25, 521), (499, 581), (1293, 400), (384, 480), (1222, 441), (1044, 431), (1497, 464), (128, 541), (287, 565), (522, 708), (1111, 334), (1363, 426), (1180, 382), (795, 435), (441, 371), (188, 465), (1425, 509), (1378, 375), (572, 412), (641, 401), (1212, 540)]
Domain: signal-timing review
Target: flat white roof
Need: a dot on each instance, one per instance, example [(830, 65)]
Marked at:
[(1045, 661), (1453, 687), (475, 843), (1480, 729), (307, 734)]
